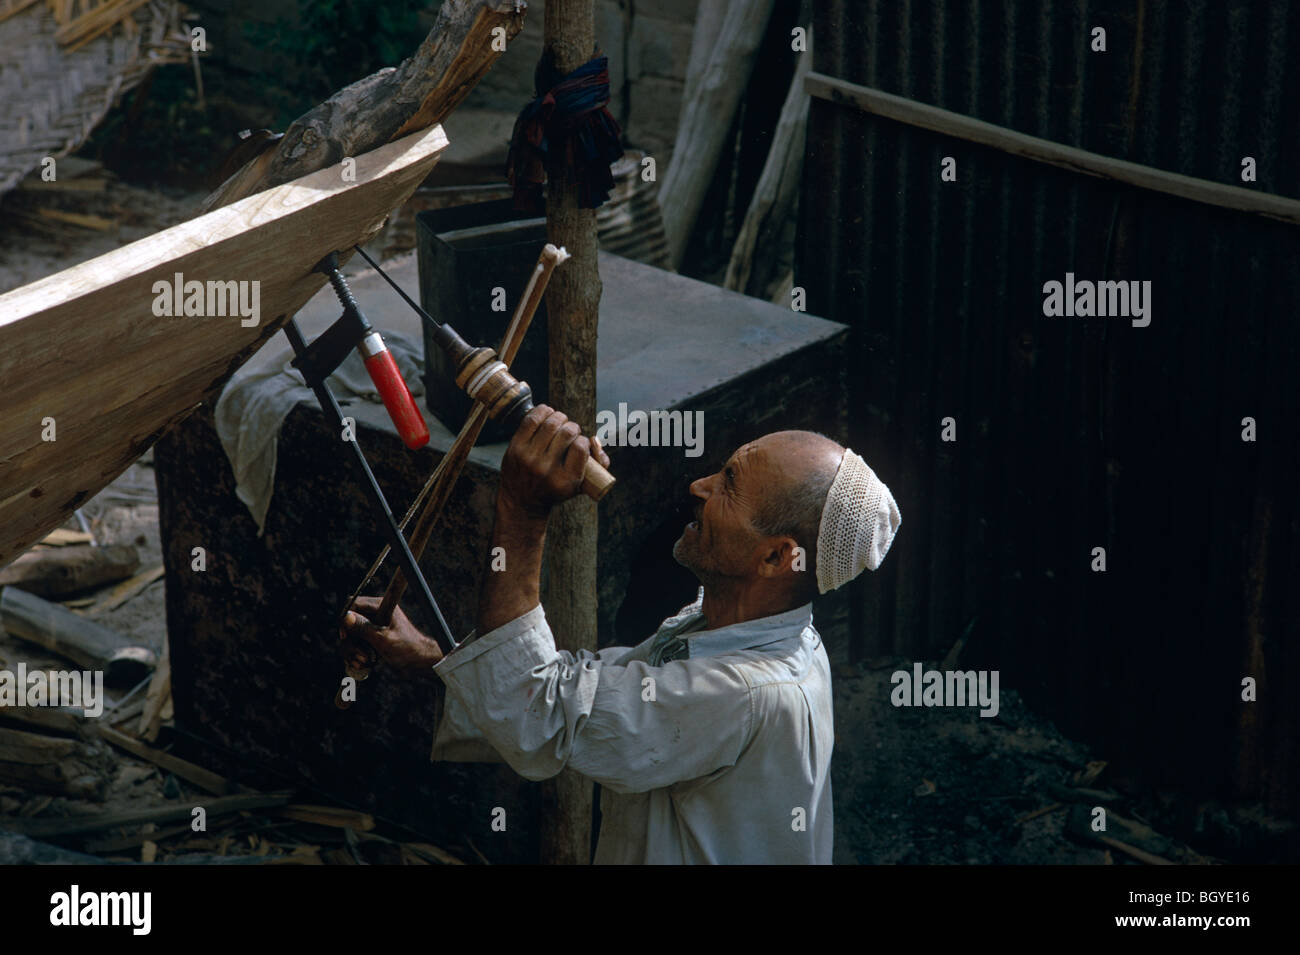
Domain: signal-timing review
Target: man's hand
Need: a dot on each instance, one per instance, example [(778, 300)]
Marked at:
[(399, 644), (544, 463)]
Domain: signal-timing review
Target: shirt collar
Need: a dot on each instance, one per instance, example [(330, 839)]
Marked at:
[(746, 635)]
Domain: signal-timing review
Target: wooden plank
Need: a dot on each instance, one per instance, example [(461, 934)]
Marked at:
[(329, 816), (63, 185), (77, 825), (1150, 858), (160, 691), (430, 853), (97, 20), (62, 537), (128, 589), (934, 119), (136, 373), (118, 843), (84, 220), (707, 114), (776, 192), (203, 778), (9, 7)]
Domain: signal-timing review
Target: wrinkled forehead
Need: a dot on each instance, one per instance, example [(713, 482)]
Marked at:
[(763, 457), (748, 455)]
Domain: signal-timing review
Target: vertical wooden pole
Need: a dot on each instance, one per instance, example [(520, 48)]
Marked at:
[(573, 305)]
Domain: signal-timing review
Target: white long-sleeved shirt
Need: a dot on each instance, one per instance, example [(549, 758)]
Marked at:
[(710, 745)]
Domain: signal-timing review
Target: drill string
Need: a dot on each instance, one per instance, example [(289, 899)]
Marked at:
[(442, 487), (541, 275), (528, 294), (398, 289), (448, 470), (439, 486)]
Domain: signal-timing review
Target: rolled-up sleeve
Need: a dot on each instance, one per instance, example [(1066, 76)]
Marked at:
[(609, 715)]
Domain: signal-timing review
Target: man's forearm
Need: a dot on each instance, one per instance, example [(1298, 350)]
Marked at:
[(515, 590)]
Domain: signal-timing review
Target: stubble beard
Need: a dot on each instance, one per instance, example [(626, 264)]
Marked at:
[(682, 553), (689, 556)]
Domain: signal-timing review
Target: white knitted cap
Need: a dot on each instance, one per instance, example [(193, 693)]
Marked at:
[(859, 521)]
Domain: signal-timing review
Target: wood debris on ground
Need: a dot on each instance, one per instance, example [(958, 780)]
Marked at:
[(103, 791), (123, 787)]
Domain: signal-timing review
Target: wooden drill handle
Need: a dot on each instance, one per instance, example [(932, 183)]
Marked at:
[(596, 481)]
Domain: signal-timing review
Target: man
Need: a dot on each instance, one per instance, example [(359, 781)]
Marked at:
[(712, 740)]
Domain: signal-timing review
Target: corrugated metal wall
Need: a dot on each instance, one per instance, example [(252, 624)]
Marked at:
[(1077, 433)]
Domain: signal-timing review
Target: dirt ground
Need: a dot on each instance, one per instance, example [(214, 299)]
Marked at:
[(922, 785), (33, 245)]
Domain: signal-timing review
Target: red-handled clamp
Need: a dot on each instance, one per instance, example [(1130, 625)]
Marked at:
[(392, 389), (319, 359)]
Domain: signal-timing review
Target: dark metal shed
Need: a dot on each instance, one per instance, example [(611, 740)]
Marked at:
[(1075, 433)]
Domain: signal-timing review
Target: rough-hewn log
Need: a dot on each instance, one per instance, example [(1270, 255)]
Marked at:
[(36, 749), (84, 642), (573, 306), (47, 764), (59, 571), (42, 719), (465, 41)]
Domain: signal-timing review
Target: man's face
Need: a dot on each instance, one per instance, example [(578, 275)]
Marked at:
[(721, 541)]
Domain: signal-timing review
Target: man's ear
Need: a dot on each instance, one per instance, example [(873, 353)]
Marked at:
[(778, 556)]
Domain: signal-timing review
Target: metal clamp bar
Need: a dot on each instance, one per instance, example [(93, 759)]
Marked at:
[(446, 642)]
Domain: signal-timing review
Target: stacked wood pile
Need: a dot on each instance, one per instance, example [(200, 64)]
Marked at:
[(65, 63), (79, 21), (93, 786)]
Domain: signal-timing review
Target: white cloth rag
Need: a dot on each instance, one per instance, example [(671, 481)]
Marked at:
[(254, 404)]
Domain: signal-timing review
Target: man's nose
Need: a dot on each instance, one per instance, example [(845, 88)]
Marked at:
[(700, 487)]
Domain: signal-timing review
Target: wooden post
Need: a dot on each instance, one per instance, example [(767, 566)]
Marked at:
[(727, 37), (573, 305), (776, 192)]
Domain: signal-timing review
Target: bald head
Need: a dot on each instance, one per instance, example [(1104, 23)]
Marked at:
[(803, 466), (754, 536), (799, 458)]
